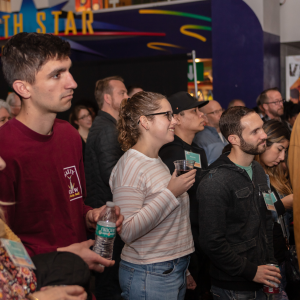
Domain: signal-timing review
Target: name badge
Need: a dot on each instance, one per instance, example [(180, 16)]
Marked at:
[(270, 199), (17, 253), (193, 156)]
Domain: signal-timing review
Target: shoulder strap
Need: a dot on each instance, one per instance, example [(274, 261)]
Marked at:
[(281, 220), (284, 231)]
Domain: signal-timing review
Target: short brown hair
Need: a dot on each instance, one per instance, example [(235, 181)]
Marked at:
[(131, 109), (230, 121), (25, 53), (263, 97), (103, 87)]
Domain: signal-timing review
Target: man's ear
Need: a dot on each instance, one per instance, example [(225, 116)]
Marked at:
[(233, 139), (108, 99), (265, 106), (177, 117), (261, 108), (22, 88)]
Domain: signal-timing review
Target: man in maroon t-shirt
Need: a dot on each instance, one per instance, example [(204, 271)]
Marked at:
[(44, 174)]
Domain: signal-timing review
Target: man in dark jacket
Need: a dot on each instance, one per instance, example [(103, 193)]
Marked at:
[(189, 121), (101, 155), (102, 148), (234, 223)]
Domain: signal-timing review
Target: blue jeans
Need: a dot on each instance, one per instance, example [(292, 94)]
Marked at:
[(148, 281), (221, 294)]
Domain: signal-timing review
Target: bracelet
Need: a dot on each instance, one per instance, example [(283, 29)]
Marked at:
[(187, 273), (31, 297)]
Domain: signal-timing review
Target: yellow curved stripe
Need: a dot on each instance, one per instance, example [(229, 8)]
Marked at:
[(192, 34), (154, 45)]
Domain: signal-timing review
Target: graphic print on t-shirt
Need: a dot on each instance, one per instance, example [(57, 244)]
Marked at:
[(73, 183)]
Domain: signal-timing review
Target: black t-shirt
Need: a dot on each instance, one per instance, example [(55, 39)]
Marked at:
[(176, 151), (279, 243)]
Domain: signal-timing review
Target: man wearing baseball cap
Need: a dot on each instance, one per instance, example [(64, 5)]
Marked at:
[(189, 121)]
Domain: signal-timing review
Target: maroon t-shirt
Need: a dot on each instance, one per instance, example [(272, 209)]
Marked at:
[(44, 176)]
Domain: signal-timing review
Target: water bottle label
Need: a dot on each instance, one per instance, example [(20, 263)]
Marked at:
[(106, 232)]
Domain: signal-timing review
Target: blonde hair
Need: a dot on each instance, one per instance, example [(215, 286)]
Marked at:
[(131, 109)]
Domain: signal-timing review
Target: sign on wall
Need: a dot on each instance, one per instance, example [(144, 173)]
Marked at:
[(292, 77), (97, 28)]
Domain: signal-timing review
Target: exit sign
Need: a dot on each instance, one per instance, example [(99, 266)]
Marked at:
[(199, 70)]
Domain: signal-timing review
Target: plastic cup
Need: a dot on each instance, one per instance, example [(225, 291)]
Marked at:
[(183, 166)]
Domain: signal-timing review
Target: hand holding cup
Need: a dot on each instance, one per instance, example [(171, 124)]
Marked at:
[(182, 183)]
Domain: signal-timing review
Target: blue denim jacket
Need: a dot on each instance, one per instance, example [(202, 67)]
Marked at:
[(210, 141)]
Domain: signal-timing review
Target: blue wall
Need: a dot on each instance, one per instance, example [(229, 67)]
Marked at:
[(271, 60), (237, 51)]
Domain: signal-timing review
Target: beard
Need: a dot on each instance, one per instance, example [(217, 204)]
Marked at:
[(252, 149), (115, 105), (277, 113)]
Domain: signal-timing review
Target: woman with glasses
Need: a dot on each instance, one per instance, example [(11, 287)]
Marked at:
[(273, 162), (156, 228), (81, 119)]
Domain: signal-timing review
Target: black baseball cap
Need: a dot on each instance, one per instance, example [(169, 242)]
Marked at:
[(183, 101)]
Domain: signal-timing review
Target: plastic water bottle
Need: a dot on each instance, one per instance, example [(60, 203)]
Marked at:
[(106, 232)]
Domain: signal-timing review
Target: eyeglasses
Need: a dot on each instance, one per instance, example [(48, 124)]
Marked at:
[(277, 102), (215, 112), (169, 115), (84, 117)]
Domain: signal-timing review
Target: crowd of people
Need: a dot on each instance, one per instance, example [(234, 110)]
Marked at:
[(210, 233)]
